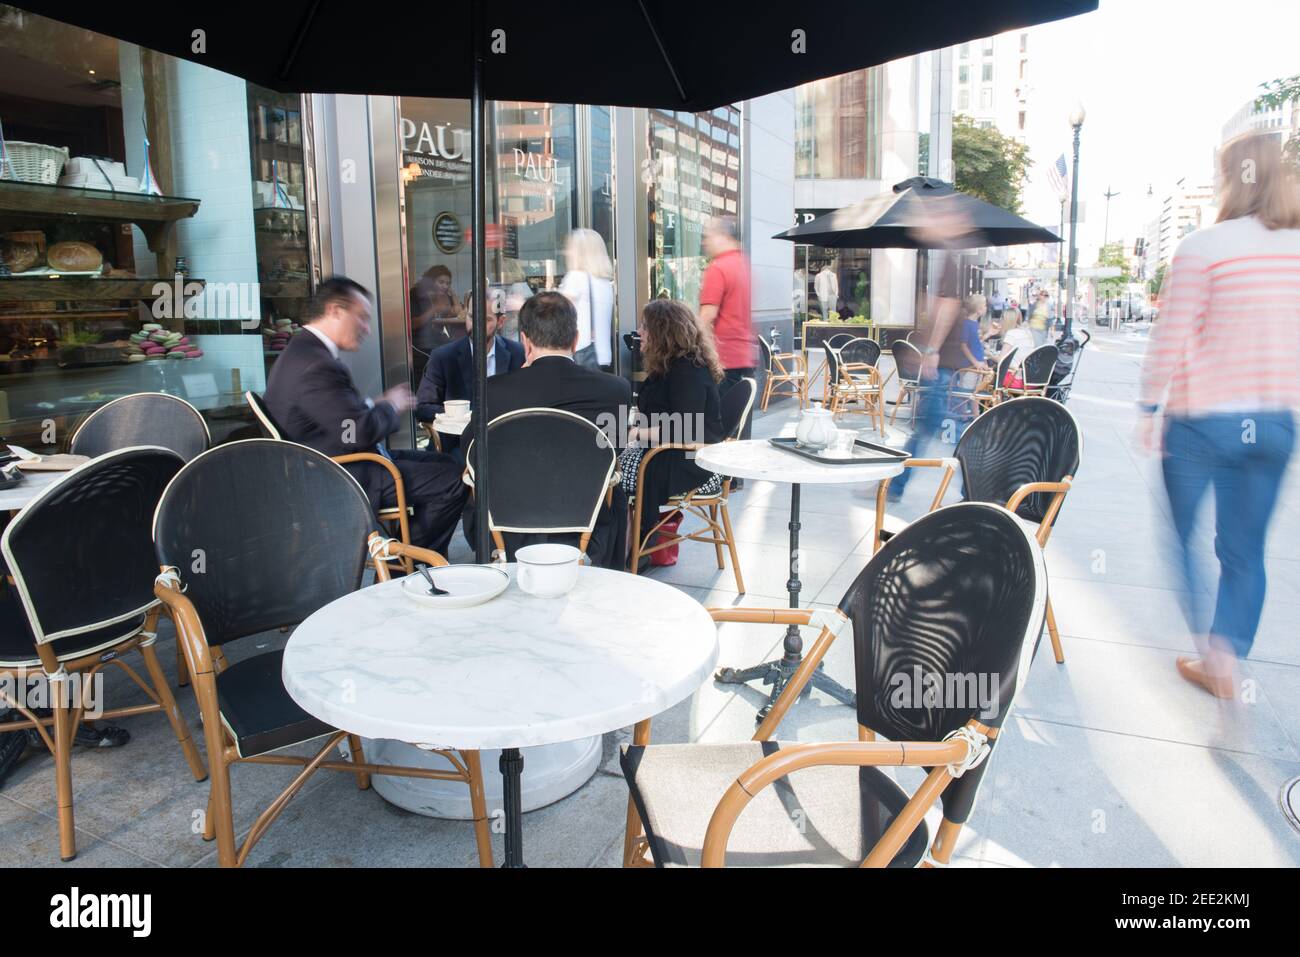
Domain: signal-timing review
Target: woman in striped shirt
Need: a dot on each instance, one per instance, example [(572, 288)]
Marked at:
[(1224, 365)]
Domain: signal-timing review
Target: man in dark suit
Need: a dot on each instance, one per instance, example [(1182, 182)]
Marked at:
[(311, 397), (449, 373), (548, 328)]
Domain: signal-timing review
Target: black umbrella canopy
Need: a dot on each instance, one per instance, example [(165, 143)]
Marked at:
[(663, 53), (920, 213)]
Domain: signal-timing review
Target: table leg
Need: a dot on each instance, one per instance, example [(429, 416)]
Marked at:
[(777, 673), (512, 769)]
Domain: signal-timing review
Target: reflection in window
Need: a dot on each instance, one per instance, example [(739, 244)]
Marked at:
[(837, 127)]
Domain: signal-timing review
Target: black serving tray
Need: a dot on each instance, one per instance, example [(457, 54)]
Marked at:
[(864, 453), (11, 481)]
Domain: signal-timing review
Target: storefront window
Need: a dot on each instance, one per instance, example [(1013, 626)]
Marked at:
[(128, 168), (533, 204), (830, 280), (837, 126), (693, 175)]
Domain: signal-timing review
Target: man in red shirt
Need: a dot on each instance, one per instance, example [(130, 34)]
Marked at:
[(724, 303)]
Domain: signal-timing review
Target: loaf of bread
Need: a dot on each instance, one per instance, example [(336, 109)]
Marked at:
[(19, 256), (74, 257)]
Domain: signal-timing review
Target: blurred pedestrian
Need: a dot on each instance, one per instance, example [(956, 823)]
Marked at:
[(939, 335), (724, 304), (1222, 365), (1038, 318)]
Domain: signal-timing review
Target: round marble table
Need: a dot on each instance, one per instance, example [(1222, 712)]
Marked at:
[(759, 460), (513, 673), (34, 482)]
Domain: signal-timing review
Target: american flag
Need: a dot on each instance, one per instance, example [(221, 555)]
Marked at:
[(1059, 176)]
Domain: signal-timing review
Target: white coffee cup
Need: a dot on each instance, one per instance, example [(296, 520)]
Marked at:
[(547, 570), (456, 408)]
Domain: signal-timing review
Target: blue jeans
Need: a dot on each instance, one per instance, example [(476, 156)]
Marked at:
[(1244, 457), (931, 414)]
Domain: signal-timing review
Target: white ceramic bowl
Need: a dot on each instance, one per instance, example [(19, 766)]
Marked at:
[(457, 408), (547, 570)]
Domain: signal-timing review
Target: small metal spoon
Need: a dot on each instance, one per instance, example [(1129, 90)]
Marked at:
[(433, 589)]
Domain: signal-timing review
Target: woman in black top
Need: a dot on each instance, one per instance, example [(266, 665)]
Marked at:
[(678, 404)]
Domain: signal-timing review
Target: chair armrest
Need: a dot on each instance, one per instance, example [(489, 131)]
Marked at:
[(778, 616), (949, 466), (384, 550), (949, 758), (1033, 488), (189, 627)]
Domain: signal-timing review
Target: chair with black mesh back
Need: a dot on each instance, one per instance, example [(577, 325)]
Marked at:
[(907, 366), (552, 471), (944, 620), (1022, 453), (282, 531), (829, 344), (1036, 372), (783, 369), (856, 378), (396, 518), (82, 597), (145, 418), (710, 508)]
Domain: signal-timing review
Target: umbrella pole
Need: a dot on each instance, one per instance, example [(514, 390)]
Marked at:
[(478, 229)]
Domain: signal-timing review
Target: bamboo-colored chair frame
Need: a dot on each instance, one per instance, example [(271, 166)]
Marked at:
[(851, 388), (67, 715), (778, 375), (949, 465), (947, 759), (908, 392), (710, 509), (978, 398), (206, 663)]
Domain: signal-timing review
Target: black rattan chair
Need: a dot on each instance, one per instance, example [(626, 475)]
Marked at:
[(712, 510), (282, 531), (397, 518), (856, 378), (794, 375), (82, 597), (146, 418), (955, 602), (552, 472), (1036, 372), (907, 366), (1022, 453)]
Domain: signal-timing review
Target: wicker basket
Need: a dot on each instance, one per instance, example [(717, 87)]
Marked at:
[(35, 162)]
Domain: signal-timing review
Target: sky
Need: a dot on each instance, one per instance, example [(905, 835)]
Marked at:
[(1158, 79)]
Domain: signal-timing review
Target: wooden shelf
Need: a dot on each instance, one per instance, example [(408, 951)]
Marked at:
[(68, 315), (45, 288)]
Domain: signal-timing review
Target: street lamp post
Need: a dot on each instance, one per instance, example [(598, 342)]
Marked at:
[(1077, 116)]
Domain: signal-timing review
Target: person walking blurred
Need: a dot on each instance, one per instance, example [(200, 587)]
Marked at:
[(724, 306), (1222, 366)]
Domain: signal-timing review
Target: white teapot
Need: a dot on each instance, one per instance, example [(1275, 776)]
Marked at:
[(816, 429)]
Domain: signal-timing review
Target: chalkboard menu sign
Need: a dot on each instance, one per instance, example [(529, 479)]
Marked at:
[(447, 233)]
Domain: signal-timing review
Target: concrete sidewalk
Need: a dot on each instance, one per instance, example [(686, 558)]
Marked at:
[(1109, 760)]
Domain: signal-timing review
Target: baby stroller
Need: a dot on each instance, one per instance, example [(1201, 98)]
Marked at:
[(1069, 350)]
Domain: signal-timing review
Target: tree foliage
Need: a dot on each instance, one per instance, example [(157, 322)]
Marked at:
[(1112, 254), (987, 164), (1276, 94)]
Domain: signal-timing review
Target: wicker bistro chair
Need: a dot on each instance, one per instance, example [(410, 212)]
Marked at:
[(907, 364), (1036, 371), (551, 472), (794, 375), (737, 406), (145, 418), (956, 601), (1023, 453), (830, 344), (855, 377), (971, 390), (396, 519), (270, 562), (82, 563)]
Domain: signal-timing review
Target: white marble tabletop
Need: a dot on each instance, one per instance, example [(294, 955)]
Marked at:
[(12, 499), (515, 672), (758, 459)]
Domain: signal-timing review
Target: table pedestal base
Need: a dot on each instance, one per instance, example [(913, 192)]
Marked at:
[(777, 673), (554, 772)]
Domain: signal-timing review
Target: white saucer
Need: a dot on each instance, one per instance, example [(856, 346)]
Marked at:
[(468, 584)]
